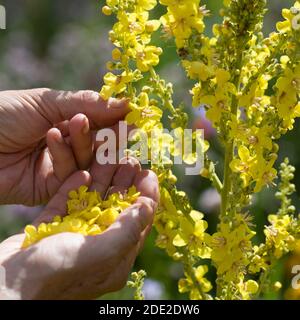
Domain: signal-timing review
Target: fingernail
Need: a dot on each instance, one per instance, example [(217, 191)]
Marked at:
[(117, 104), (58, 137), (145, 216), (86, 127), (146, 201)]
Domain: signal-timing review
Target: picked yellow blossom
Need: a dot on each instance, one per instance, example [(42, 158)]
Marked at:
[(88, 214)]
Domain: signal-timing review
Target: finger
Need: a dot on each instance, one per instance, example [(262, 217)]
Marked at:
[(58, 106), (125, 234), (63, 127), (102, 177), (58, 204), (121, 139), (144, 236), (125, 175), (146, 183), (81, 140), (64, 163)]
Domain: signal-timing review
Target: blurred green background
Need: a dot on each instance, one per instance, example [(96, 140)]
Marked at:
[(63, 44)]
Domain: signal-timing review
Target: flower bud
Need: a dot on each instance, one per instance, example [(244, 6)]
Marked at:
[(252, 286), (116, 54), (106, 10), (204, 173), (277, 286), (152, 25), (110, 65)]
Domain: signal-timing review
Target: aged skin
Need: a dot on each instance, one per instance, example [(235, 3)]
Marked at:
[(46, 141)]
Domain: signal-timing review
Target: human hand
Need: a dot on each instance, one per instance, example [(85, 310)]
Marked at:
[(31, 172), (71, 266)]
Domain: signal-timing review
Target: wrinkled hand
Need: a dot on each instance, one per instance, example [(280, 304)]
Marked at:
[(71, 266), (28, 173)]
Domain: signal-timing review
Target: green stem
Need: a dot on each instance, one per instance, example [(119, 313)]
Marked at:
[(217, 182), (264, 277), (167, 103), (229, 147), (227, 183)]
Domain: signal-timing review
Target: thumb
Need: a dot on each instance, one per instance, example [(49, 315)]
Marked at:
[(127, 232), (58, 106)]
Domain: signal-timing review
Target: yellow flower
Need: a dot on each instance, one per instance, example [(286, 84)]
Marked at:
[(256, 91), (247, 289), (230, 247), (218, 104), (289, 84), (115, 84), (259, 260), (188, 285), (146, 4), (182, 18), (130, 28), (197, 94), (144, 115), (197, 70), (146, 57), (286, 99), (258, 138), (289, 15), (192, 234), (243, 165), (183, 145), (277, 235), (264, 173)]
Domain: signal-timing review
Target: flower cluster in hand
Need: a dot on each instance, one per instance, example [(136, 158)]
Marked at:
[(88, 214)]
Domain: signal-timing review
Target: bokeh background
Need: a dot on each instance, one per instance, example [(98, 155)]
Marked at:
[(63, 44)]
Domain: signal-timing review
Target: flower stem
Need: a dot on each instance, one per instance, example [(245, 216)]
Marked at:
[(229, 147), (227, 179), (162, 92)]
